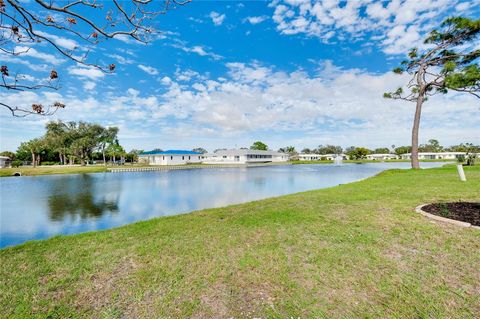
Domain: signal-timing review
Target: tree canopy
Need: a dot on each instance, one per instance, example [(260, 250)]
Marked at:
[(260, 146), (447, 62)]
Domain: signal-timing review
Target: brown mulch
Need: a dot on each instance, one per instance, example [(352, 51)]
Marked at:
[(462, 211)]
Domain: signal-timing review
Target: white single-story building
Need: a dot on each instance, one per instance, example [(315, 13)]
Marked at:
[(170, 157), (244, 156), (382, 157), (320, 157), (435, 156), (4, 161)]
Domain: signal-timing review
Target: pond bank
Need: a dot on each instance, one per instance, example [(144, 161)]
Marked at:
[(355, 250), (77, 169)]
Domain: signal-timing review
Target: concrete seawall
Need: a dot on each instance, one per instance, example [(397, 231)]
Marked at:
[(177, 167)]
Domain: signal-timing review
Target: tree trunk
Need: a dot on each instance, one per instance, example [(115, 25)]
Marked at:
[(82, 159), (104, 159), (34, 160), (415, 129), (416, 119)]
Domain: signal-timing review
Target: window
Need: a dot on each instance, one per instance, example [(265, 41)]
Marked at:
[(183, 158), (163, 157), (189, 157), (171, 157)]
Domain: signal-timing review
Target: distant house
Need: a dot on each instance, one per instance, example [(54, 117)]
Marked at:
[(320, 157), (435, 156), (4, 161), (170, 157), (382, 157), (244, 156)]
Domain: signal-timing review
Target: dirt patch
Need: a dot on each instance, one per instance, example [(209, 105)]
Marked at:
[(462, 211)]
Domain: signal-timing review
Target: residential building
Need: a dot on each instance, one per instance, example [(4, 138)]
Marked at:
[(320, 157), (435, 156), (244, 156), (382, 157), (4, 161), (170, 157)]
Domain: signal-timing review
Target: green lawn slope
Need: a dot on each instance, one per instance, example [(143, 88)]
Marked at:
[(352, 251)]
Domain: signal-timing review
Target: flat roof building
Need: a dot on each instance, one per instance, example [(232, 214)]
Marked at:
[(435, 156), (170, 157), (244, 156), (382, 157)]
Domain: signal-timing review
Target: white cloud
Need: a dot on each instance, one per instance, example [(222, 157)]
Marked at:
[(256, 19), (32, 52), (121, 59), (89, 85), (340, 106), (257, 98), (198, 49), (86, 72), (217, 18), (148, 69), (357, 19), (65, 43)]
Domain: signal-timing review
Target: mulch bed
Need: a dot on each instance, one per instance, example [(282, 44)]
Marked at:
[(462, 211)]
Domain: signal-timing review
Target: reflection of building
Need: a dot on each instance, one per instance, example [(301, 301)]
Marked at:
[(244, 156), (171, 157), (381, 157), (435, 156), (4, 161), (320, 157)]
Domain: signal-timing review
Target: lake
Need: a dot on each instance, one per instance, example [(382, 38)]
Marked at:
[(39, 207)]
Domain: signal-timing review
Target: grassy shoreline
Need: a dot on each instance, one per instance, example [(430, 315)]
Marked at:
[(355, 250), (58, 169)]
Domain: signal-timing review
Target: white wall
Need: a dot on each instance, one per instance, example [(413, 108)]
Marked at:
[(171, 159)]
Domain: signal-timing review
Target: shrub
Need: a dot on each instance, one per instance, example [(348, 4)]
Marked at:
[(17, 163), (471, 159), (48, 163), (461, 158)]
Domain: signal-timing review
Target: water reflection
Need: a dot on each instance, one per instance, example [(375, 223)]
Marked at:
[(68, 204), (74, 198)]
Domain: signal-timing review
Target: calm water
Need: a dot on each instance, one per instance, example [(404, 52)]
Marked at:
[(44, 206)]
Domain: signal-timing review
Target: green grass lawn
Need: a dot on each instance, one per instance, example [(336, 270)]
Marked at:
[(51, 169), (352, 251), (60, 169)]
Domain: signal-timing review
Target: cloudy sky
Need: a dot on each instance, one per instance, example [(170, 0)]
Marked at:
[(224, 74)]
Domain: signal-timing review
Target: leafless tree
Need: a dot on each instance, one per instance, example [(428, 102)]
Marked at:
[(87, 22)]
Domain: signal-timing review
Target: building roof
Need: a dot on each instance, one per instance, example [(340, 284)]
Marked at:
[(240, 152), (171, 152)]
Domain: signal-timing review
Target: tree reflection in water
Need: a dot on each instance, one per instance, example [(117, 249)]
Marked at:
[(75, 198)]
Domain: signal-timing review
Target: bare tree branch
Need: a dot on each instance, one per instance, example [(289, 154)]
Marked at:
[(87, 21)]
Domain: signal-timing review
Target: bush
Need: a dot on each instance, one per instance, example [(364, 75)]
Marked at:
[(471, 159), (17, 163), (48, 163), (461, 158)]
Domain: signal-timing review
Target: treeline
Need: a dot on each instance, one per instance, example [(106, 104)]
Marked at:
[(70, 143), (360, 152)]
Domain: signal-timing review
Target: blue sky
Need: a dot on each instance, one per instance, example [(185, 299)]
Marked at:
[(224, 74)]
